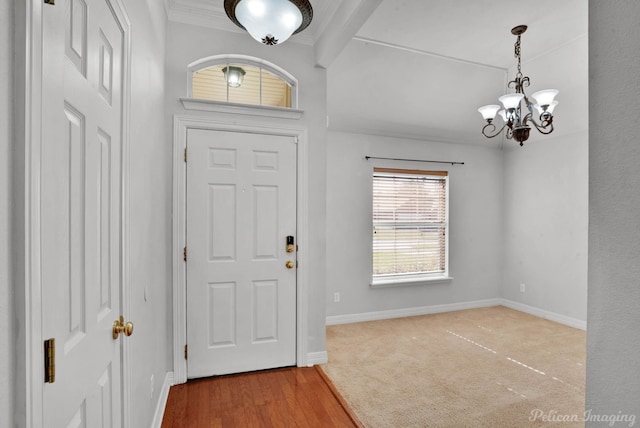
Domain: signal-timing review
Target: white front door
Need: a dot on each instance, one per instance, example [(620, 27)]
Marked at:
[(81, 178), (241, 281)]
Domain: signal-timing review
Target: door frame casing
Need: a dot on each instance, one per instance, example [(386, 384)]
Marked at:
[(33, 73), (181, 125)]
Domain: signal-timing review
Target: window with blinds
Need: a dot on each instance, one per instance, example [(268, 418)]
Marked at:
[(409, 223)]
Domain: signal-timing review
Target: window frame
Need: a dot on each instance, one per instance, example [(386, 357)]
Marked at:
[(392, 280), (229, 59)]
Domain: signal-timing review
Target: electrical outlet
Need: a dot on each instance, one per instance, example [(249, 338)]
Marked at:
[(336, 297), (522, 288)]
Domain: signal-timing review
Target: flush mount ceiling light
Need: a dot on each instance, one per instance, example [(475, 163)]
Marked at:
[(518, 110), (270, 21), (233, 75)]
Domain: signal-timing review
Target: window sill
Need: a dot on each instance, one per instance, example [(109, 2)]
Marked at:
[(246, 109), (403, 282)]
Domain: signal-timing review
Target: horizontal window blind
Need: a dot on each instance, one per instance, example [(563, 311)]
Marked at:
[(409, 222)]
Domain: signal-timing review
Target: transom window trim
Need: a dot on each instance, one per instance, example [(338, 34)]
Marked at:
[(239, 60), (410, 226)]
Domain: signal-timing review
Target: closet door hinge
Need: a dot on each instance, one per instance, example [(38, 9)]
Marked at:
[(184, 253), (185, 154), (49, 361), (186, 351), (51, 2)]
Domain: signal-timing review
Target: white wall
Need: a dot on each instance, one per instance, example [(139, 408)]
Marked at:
[(476, 217), (186, 44), (546, 193), (613, 335), (150, 201), (7, 341)]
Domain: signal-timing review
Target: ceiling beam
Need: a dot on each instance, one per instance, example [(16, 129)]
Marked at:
[(346, 22)]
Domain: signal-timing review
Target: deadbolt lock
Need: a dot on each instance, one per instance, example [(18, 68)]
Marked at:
[(290, 244), (120, 327)]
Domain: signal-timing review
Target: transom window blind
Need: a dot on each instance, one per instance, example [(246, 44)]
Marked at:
[(409, 222)]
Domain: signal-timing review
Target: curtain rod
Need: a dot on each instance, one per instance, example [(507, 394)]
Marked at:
[(414, 160)]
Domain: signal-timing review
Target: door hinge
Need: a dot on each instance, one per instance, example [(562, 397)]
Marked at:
[(49, 361), (51, 2), (185, 154), (184, 253), (186, 351)]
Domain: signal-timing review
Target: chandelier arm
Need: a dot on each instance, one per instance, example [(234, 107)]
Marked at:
[(509, 133), (545, 126), (490, 127), (546, 129)]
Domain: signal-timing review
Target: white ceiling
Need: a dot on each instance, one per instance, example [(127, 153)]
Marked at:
[(477, 30), (473, 30), (403, 71), (421, 68)]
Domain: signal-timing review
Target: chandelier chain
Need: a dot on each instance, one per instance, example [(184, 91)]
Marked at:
[(517, 55)]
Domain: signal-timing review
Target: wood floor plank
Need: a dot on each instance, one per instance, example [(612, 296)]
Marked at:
[(290, 397), (276, 409), (202, 396), (175, 413)]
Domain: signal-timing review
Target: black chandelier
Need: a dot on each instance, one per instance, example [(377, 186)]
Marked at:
[(516, 117)]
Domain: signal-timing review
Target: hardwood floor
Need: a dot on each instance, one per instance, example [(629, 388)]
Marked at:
[(289, 397)]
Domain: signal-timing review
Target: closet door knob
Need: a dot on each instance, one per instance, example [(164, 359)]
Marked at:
[(119, 326)]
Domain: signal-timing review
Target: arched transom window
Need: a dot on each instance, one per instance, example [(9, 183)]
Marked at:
[(242, 80)]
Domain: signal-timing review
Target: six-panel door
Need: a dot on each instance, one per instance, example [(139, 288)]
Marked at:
[(241, 296), (80, 206)]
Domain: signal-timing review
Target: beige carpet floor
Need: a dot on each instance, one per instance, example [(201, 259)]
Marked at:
[(487, 367)]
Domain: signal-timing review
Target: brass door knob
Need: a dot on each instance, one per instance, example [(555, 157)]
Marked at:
[(289, 264), (120, 327)]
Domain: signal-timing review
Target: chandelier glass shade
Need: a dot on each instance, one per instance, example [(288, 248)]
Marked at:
[(517, 112), (270, 21)]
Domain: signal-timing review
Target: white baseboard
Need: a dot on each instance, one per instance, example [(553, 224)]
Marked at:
[(410, 312), (425, 310), (314, 358), (542, 313), (162, 400)]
